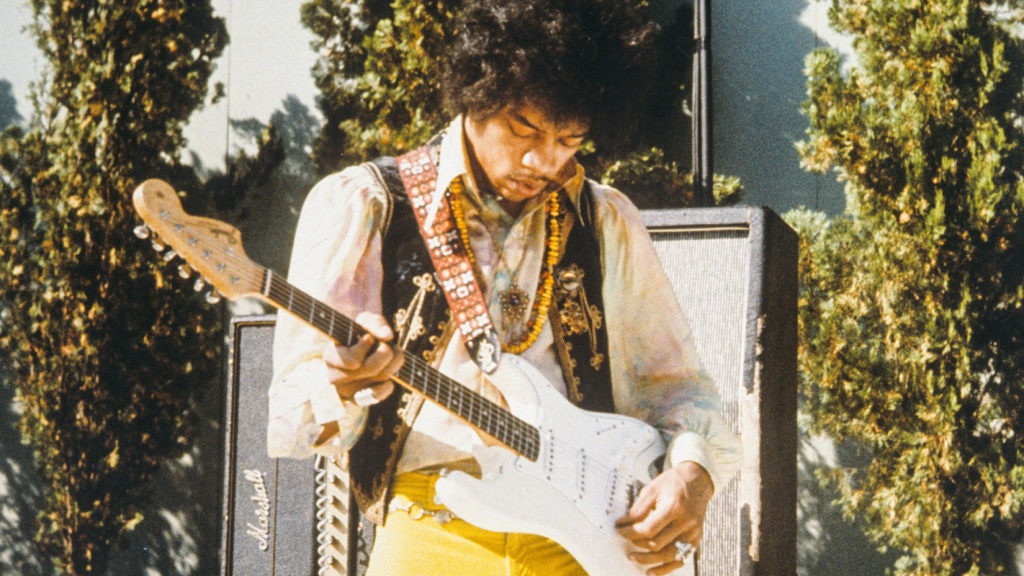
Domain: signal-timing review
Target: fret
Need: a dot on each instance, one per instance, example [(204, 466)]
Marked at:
[(500, 430), (317, 313), (311, 318), (417, 379), (434, 389), (342, 329), (454, 403), (267, 275), (467, 409), (506, 429)]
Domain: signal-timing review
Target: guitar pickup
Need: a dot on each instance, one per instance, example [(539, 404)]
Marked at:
[(634, 492)]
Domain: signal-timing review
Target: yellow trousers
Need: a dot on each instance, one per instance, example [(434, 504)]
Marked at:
[(415, 544)]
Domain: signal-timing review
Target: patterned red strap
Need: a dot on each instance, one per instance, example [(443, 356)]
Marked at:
[(451, 259)]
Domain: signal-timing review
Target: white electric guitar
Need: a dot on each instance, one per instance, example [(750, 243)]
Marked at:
[(549, 468)]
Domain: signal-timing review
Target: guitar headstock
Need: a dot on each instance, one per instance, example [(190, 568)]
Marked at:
[(211, 248)]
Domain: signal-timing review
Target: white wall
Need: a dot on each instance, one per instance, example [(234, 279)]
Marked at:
[(758, 50), (268, 59)]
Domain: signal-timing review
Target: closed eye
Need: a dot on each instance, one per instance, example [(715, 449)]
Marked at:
[(520, 127)]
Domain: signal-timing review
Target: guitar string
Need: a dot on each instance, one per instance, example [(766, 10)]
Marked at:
[(483, 407), (525, 437)]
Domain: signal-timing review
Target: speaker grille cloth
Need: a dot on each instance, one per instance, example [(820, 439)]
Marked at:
[(709, 271)]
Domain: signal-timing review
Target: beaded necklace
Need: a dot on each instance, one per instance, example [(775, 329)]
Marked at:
[(542, 300)]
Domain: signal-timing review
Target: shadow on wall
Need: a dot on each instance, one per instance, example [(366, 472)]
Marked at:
[(269, 225), (759, 85), (8, 105), (827, 543), (21, 496), (180, 531), (267, 213)]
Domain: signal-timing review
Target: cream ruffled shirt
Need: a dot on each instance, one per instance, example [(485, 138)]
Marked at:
[(656, 374)]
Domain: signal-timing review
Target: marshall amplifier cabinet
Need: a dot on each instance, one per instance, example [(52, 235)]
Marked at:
[(269, 510), (734, 271)]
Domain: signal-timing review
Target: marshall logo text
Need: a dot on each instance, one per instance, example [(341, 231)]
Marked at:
[(261, 530)]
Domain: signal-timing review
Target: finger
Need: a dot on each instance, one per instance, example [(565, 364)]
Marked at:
[(664, 560), (662, 556), (351, 358), (377, 369), (647, 518), (641, 507), (655, 524), (681, 529), (666, 568), (376, 325), (664, 538), (379, 362), (348, 389)]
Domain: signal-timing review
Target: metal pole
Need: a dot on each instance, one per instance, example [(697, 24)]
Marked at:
[(703, 166)]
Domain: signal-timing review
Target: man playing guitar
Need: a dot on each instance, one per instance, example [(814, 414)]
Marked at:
[(490, 239)]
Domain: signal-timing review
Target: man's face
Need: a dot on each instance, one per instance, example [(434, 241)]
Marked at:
[(519, 152)]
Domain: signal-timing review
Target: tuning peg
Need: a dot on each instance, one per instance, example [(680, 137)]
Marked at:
[(169, 255), (199, 285), (159, 245), (213, 296), (142, 231), (185, 271)]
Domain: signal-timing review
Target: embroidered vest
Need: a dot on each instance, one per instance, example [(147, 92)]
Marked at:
[(418, 312)]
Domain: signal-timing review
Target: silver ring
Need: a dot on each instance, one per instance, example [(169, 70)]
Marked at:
[(683, 550), (364, 397)]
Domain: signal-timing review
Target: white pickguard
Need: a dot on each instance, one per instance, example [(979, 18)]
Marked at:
[(579, 486)]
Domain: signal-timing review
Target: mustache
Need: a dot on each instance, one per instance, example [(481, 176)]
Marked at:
[(530, 178)]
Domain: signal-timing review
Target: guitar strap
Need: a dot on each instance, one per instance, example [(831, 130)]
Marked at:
[(451, 259)]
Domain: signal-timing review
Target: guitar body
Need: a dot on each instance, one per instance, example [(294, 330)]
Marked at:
[(589, 469)]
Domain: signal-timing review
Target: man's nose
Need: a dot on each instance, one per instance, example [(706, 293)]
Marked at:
[(542, 158)]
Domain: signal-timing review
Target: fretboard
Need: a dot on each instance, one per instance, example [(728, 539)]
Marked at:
[(415, 373)]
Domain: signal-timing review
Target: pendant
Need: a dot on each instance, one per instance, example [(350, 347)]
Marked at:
[(513, 305)]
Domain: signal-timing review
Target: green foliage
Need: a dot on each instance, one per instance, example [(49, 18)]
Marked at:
[(652, 182), (378, 75), (379, 71), (912, 310), (108, 354)]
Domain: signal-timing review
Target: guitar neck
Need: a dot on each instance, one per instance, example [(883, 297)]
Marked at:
[(415, 374)]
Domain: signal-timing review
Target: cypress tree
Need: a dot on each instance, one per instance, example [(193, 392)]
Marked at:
[(107, 351), (912, 312)]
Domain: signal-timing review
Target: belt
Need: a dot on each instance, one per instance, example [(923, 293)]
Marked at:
[(415, 510)]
